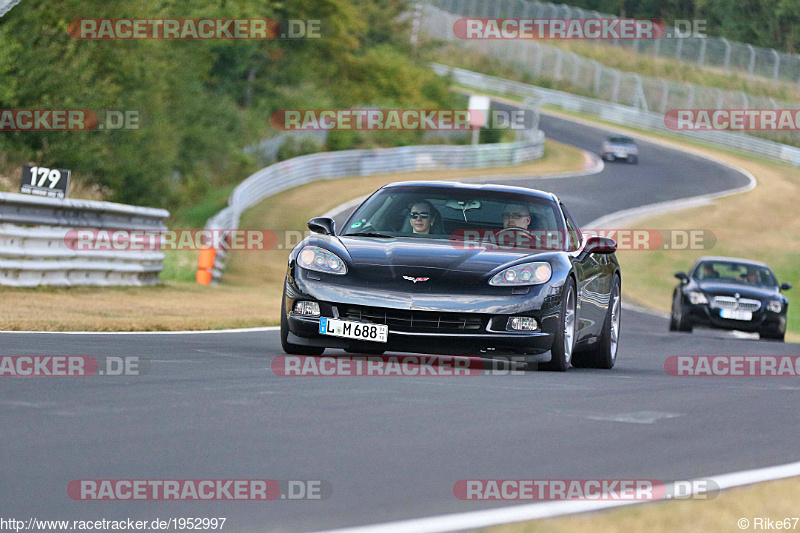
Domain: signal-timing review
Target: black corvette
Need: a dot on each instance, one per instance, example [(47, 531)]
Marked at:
[(730, 293), (450, 268)]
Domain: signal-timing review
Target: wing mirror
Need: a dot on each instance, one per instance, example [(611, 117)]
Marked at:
[(786, 286), (682, 276), (323, 225), (599, 245)]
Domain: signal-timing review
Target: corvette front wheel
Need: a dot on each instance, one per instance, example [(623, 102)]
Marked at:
[(564, 339)]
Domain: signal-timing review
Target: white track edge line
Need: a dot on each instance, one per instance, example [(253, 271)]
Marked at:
[(536, 511)]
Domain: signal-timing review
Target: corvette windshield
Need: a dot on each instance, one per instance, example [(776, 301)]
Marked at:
[(735, 272), (456, 214)]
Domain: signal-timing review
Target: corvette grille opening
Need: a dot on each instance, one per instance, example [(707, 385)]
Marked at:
[(416, 321)]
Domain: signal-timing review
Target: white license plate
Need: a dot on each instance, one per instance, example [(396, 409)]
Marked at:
[(353, 330), (736, 314), (620, 154)]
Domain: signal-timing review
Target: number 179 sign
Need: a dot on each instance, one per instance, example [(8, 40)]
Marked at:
[(43, 181)]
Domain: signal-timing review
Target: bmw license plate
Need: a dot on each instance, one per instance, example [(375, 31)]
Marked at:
[(735, 314), (353, 330)]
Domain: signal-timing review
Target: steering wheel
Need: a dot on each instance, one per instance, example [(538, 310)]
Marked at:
[(522, 239)]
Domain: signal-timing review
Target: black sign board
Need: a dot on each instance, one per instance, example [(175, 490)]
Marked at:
[(43, 181)]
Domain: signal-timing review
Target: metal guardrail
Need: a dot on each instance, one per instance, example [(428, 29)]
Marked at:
[(331, 165), (716, 52), (34, 249), (619, 114)]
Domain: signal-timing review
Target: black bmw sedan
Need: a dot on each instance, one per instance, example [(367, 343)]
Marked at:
[(451, 268), (730, 293)]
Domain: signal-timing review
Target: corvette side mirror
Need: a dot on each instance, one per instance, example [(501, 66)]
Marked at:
[(600, 245), (323, 225), (682, 276), (786, 286)]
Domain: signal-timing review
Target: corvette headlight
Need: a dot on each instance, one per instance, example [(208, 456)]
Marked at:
[(775, 306), (697, 298), (321, 260), (524, 274)]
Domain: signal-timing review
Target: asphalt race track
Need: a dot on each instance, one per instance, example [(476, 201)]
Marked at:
[(392, 448)]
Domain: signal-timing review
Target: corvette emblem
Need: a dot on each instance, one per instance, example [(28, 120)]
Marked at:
[(414, 280)]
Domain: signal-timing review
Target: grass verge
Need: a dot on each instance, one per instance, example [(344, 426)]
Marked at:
[(718, 514), (249, 295)]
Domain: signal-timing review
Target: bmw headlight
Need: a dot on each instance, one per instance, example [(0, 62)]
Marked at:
[(697, 298), (775, 306), (321, 260), (524, 274)]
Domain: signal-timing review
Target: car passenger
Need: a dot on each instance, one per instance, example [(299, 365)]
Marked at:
[(421, 216), (709, 272)]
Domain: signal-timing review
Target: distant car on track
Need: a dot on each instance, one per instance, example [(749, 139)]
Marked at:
[(620, 147), (730, 293), (439, 267)]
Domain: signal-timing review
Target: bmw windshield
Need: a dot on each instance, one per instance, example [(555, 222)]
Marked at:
[(725, 271)]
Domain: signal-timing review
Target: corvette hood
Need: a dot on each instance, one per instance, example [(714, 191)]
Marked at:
[(434, 259)]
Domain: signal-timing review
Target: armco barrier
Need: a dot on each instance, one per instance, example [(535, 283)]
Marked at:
[(330, 165), (33, 249), (618, 114)]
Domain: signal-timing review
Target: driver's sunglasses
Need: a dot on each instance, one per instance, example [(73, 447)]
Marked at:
[(416, 215), (514, 215)]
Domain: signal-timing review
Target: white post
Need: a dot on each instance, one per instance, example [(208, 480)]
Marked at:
[(702, 59), (615, 90), (639, 99), (777, 64), (415, 25), (664, 95), (727, 61), (598, 71), (575, 65), (559, 62)]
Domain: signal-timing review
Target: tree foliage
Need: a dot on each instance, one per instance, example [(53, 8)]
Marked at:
[(767, 23), (200, 102)]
